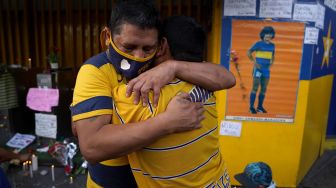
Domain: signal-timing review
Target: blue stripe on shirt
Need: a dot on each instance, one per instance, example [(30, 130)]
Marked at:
[(112, 176), (92, 104), (98, 60), (182, 145), (179, 175)]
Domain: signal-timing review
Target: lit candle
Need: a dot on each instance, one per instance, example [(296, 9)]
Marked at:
[(29, 63), (34, 162), (27, 166), (71, 180), (52, 173), (23, 166), (30, 169)]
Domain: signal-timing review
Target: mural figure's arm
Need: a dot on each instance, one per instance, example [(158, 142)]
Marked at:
[(250, 56)]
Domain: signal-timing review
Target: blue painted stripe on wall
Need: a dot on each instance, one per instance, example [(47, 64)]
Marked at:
[(331, 129), (306, 61), (312, 55), (317, 69), (226, 42)]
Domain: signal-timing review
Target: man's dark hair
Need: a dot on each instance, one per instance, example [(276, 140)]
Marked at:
[(186, 38), (267, 30), (141, 13)]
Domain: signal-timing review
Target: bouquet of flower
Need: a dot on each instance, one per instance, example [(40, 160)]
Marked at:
[(234, 59)]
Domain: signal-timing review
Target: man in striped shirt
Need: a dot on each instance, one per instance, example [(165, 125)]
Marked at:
[(187, 159)]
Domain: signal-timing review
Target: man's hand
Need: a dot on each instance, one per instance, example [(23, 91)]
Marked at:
[(258, 66), (153, 79), (184, 114)]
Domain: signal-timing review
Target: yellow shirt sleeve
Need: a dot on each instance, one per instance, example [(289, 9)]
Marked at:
[(92, 93)]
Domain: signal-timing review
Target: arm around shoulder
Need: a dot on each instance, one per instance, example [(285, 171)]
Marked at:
[(207, 75), (99, 140)]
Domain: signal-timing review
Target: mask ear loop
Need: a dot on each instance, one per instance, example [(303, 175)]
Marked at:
[(103, 43)]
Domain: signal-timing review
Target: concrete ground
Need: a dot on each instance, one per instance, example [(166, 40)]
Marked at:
[(321, 175), (19, 179)]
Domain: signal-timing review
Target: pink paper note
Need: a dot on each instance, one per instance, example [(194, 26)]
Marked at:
[(42, 99)]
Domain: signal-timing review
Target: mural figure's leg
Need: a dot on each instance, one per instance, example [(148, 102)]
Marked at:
[(256, 83), (263, 83)]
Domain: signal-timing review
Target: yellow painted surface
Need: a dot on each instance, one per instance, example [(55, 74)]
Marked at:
[(277, 144), (315, 126), (214, 37), (289, 148), (330, 144)]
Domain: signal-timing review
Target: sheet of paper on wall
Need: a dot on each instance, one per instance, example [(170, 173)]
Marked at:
[(320, 16), (275, 9), (311, 35), (230, 128), (331, 4), (305, 12), (46, 125), (20, 141), (42, 99), (240, 8), (44, 80)]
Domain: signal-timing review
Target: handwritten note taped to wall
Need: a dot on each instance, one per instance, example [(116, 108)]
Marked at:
[(320, 16), (311, 35), (230, 128), (42, 99), (276, 9), (46, 125), (240, 7), (331, 4), (305, 12)]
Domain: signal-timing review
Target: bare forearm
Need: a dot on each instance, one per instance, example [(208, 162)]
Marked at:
[(112, 141), (7, 155), (207, 75)]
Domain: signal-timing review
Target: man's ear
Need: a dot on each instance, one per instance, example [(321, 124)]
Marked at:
[(105, 35), (164, 48)]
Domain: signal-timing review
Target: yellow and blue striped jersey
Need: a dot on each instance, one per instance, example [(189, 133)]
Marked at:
[(92, 97), (264, 53), (188, 159)]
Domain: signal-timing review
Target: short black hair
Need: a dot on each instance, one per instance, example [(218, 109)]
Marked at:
[(141, 13), (186, 38), (267, 30)]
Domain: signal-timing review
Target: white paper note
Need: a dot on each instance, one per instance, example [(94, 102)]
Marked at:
[(311, 35), (20, 140), (331, 4), (240, 7), (45, 125), (320, 16), (276, 9), (230, 128), (305, 12)]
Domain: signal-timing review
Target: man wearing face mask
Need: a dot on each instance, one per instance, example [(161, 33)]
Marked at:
[(187, 159), (132, 41)]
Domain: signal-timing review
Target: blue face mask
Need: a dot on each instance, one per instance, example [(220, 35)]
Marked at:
[(127, 65)]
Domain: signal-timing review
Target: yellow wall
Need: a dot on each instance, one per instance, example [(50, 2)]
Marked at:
[(277, 144), (319, 94), (289, 148)]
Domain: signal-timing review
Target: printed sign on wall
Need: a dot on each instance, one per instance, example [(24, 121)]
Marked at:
[(265, 58)]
